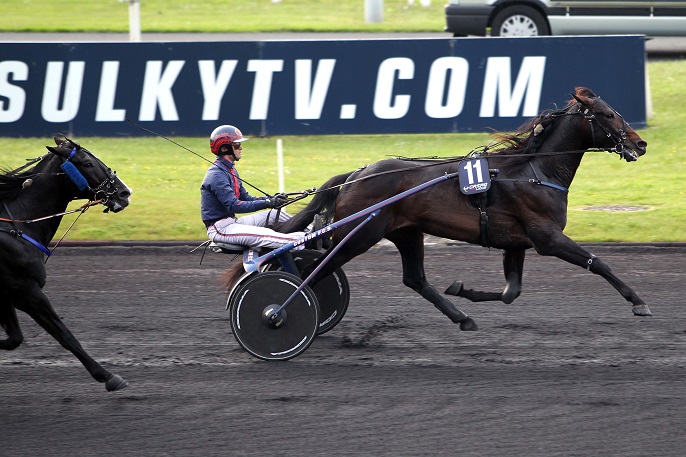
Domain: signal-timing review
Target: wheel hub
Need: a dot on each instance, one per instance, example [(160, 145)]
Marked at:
[(273, 318)]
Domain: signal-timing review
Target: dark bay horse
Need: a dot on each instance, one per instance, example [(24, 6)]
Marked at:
[(27, 200), (525, 207)]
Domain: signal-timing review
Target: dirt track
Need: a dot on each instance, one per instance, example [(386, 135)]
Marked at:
[(566, 370)]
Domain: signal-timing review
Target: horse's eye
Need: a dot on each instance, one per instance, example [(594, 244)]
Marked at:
[(611, 115), (88, 164)]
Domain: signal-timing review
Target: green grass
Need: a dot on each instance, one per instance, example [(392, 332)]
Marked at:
[(166, 178), (218, 16)]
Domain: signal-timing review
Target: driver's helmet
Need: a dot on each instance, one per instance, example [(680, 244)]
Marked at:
[(225, 134)]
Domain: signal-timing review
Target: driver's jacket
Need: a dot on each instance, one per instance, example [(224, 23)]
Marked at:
[(222, 194)]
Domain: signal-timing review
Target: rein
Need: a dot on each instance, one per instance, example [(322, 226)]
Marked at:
[(31, 221), (28, 163), (484, 150), (19, 234), (480, 151)]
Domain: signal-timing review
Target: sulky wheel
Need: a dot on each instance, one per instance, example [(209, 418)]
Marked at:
[(263, 332), (333, 291)]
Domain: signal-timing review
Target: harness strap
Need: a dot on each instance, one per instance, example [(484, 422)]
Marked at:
[(534, 180), (19, 234), (554, 186), (483, 220), (35, 243), (29, 162)]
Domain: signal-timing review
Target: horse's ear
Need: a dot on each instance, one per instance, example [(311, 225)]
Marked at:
[(59, 150), (584, 92), (583, 95), (64, 145)]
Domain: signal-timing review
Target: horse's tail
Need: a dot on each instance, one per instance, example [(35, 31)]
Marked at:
[(323, 201), (233, 275)]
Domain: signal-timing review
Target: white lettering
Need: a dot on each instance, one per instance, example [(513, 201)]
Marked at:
[(72, 91), (264, 70), (105, 111), (498, 81), (453, 93), (385, 105), (214, 88), (157, 90), (309, 99), (12, 109)]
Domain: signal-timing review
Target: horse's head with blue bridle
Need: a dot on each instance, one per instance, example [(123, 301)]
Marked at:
[(93, 179)]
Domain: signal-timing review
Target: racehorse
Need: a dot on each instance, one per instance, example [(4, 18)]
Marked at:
[(32, 204), (525, 206)]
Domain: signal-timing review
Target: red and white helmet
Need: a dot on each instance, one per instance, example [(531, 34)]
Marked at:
[(225, 134)]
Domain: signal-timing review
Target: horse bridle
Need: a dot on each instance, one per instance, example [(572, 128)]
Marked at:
[(105, 188), (618, 136)]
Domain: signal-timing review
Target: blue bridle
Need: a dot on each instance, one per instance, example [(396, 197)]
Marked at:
[(74, 174)]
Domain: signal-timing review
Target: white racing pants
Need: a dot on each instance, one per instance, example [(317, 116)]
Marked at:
[(251, 231)]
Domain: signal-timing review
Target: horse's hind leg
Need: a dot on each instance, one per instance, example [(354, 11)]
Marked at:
[(562, 247), (34, 303), (513, 266), (411, 247), (10, 323)]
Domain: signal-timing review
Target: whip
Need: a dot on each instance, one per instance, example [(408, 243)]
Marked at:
[(196, 154)]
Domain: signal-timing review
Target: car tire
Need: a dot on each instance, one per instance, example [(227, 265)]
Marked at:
[(519, 20)]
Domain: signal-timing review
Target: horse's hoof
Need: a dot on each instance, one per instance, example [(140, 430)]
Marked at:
[(454, 289), (641, 310), (115, 382), (468, 325)]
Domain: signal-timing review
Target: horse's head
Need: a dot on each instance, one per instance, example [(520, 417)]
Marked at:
[(608, 127), (93, 178)]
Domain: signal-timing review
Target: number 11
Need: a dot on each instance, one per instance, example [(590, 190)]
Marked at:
[(476, 165)]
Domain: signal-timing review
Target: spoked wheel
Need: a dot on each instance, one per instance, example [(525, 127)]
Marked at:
[(333, 291), (264, 332)]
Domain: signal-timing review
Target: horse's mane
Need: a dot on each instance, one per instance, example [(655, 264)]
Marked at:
[(516, 147), (11, 182), (512, 148)]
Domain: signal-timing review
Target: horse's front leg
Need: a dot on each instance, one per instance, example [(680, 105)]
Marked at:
[(411, 247), (561, 246), (34, 303), (513, 266), (10, 323)]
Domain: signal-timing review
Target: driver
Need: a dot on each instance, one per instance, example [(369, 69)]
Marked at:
[(222, 196)]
